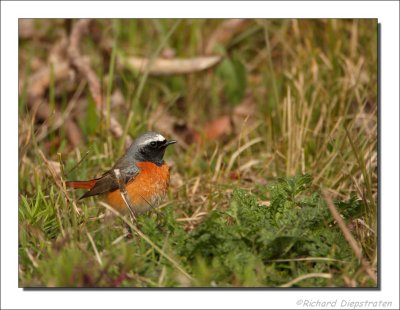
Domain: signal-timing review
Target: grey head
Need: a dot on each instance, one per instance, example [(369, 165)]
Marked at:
[(149, 146)]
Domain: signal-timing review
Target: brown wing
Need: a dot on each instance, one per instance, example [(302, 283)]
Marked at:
[(107, 182)]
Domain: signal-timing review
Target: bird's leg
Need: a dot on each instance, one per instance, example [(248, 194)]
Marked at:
[(124, 194), (128, 232)]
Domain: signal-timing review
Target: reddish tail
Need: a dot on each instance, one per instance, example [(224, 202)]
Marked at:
[(81, 184)]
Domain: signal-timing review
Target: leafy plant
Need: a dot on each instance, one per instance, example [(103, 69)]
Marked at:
[(296, 224)]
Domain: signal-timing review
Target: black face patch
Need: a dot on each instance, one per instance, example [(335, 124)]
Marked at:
[(157, 144), (153, 147), (153, 151), (161, 143)]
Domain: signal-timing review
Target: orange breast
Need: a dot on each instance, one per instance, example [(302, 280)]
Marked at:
[(146, 190)]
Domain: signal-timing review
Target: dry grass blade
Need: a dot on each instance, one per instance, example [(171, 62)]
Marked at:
[(174, 66), (349, 237), (52, 169), (304, 259), (31, 258), (307, 276), (249, 164), (60, 223), (240, 150), (58, 180), (362, 165), (124, 194), (94, 248)]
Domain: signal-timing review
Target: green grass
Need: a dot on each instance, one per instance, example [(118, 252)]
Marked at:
[(235, 216)]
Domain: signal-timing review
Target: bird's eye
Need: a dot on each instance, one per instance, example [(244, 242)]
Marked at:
[(153, 144)]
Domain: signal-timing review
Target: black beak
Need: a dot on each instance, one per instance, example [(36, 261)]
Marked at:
[(169, 142)]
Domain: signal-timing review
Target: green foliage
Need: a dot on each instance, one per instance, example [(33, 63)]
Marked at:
[(296, 224), (89, 125), (352, 208), (39, 212), (233, 74), (242, 245)]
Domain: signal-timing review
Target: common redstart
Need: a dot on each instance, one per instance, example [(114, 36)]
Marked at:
[(143, 171)]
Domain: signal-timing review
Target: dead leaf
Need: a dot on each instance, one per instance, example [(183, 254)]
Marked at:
[(161, 120), (58, 52), (55, 167), (234, 175), (168, 53), (161, 66), (52, 144), (26, 28), (37, 63), (225, 32), (30, 28), (40, 80), (73, 133), (266, 203), (79, 29), (216, 129), (219, 127), (117, 99)]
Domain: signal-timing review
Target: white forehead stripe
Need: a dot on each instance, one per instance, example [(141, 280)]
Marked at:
[(154, 138)]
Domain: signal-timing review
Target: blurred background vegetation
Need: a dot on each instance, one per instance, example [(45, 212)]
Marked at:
[(267, 114)]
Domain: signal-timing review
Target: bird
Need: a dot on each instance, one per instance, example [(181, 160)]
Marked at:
[(143, 172)]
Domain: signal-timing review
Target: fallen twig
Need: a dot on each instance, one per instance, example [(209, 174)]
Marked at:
[(307, 276), (348, 236), (96, 252), (173, 66), (78, 30), (65, 117), (56, 70)]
